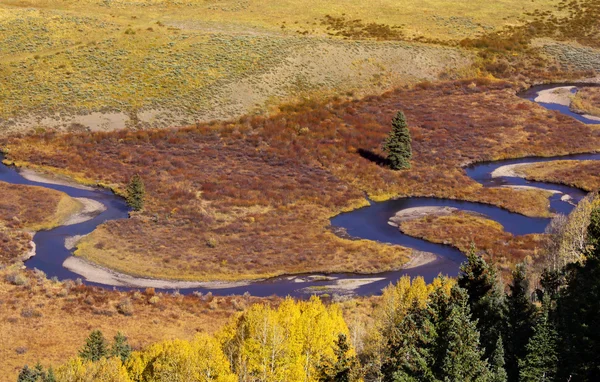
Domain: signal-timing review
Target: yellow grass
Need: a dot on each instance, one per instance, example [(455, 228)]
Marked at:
[(580, 174), (36, 208), (587, 101), (160, 63)]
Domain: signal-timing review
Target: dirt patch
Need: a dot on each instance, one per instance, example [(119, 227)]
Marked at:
[(91, 209), (35, 176), (419, 212), (510, 170), (101, 275), (560, 96), (515, 187), (420, 258)]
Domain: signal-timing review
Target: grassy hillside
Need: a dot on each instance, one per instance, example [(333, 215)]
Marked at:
[(113, 64)]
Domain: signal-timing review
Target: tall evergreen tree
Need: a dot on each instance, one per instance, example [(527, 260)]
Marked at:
[(540, 362), (486, 299), (410, 347), (398, 144), (345, 367), (136, 193), (37, 374), (120, 347), (50, 376), (463, 360), (497, 363), (578, 310), (27, 375), (95, 347), (521, 318)]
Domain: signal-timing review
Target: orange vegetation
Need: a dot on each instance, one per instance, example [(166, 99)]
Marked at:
[(461, 229), (28, 208), (252, 198), (580, 174), (587, 101), (47, 321)]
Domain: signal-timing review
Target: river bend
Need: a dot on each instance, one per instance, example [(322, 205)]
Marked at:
[(366, 223)]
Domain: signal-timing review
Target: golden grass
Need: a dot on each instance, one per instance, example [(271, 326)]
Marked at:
[(461, 229), (162, 63), (433, 18), (581, 174), (587, 101), (35, 208), (252, 198)]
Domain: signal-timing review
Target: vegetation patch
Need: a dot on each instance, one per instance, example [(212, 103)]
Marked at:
[(581, 174), (587, 101), (462, 229), (261, 190)]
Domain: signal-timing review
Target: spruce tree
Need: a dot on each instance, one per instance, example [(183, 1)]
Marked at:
[(486, 299), (345, 367), (120, 347), (497, 363), (95, 347), (540, 362), (520, 317), (27, 375), (50, 376), (410, 347), (578, 312), (136, 193), (398, 144), (463, 360)]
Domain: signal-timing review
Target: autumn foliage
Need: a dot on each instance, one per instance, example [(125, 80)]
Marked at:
[(260, 190)]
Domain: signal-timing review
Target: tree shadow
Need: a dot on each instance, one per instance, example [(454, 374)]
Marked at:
[(374, 157)]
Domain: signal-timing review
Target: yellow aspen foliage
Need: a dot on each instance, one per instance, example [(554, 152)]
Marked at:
[(103, 370), (200, 360), (283, 344)]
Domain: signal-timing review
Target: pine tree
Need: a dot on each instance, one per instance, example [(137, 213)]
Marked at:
[(95, 347), (410, 348), (136, 193), (463, 360), (520, 317), (540, 362), (120, 347), (50, 376), (27, 375), (398, 144), (344, 369), (37, 374), (497, 363), (486, 299), (578, 308)]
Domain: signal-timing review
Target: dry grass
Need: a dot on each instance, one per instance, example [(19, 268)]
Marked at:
[(460, 229), (35, 208), (48, 321), (587, 101), (81, 65), (580, 174), (252, 198), (29, 208)]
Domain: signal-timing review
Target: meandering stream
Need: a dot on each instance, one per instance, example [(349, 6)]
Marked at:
[(366, 223)]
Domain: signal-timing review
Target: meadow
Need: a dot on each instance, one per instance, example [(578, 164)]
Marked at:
[(26, 209), (251, 198), (580, 174)]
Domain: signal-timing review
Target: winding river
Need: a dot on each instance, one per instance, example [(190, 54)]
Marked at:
[(366, 223)]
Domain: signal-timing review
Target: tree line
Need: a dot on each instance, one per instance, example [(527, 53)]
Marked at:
[(471, 328)]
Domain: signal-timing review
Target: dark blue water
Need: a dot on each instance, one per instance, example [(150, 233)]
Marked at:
[(369, 223)]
